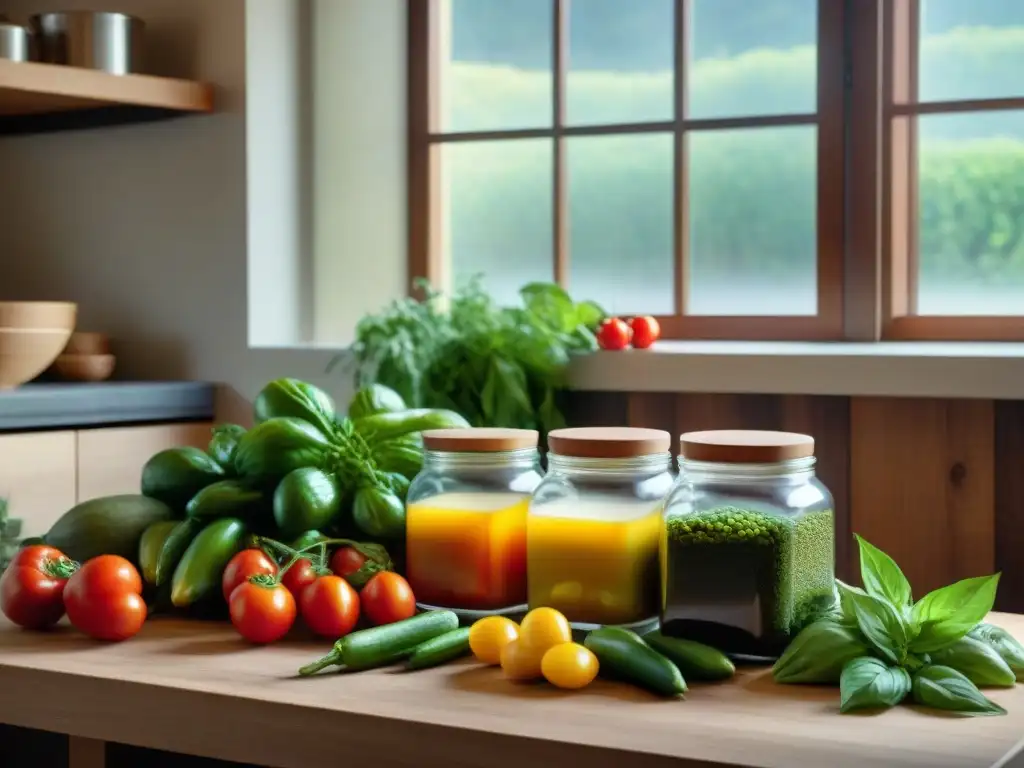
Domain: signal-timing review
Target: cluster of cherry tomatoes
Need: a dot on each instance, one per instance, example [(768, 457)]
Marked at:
[(264, 603), (640, 333), (102, 598)]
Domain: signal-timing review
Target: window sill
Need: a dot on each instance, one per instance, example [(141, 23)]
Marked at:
[(883, 369)]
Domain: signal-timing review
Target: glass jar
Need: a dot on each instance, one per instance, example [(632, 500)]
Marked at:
[(595, 524), (466, 520), (748, 551)]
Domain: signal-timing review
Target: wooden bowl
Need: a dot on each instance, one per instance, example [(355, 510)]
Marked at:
[(32, 335), (87, 344), (84, 367)]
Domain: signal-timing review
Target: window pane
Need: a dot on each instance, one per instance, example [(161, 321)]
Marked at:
[(971, 201), (971, 49), (753, 229), (620, 222), (496, 65), (753, 57), (498, 213), (621, 61)]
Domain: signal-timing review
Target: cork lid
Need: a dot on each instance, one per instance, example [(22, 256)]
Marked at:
[(608, 442), (745, 446), (479, 440)]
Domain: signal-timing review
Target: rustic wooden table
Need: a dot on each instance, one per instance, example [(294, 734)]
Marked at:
[(194, 688)]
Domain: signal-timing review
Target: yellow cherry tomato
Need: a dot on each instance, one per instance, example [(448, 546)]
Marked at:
[(544, 628), (569, 666), (521, 662), (488, 636)]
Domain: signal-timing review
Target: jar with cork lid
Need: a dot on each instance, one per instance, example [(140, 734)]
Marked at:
[(595, 524), (466, 520), (748, 550)]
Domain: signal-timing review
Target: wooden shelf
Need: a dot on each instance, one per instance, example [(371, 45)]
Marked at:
[(41, 98)]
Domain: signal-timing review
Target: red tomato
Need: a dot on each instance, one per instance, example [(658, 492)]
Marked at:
[(614, 333), (347, 560), (260, 613), (32, 587), (104, 599), (299, 576), (387, 598), (243, 566), (330, 607), (646, 331)]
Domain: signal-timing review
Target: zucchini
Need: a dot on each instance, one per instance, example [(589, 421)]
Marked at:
[(175, 475), (624, 655), (386, 644), (199, 572), (694, 660), (110, 525), (447, 647), (174, 547)]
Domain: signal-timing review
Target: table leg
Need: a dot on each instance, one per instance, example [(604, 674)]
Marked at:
[(86, 753)]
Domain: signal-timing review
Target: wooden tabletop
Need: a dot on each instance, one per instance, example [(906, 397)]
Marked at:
[(195, 688)]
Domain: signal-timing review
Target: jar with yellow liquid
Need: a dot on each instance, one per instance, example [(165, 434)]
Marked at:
[(595, 525), (466, 520)]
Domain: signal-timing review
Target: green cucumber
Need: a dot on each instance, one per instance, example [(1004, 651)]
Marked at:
[(174, 547), (695, 660), (175, 475), (151, 545), (110, 525), (386, 644), (442, 649), (624, 655), (199, 572), (225, 498)]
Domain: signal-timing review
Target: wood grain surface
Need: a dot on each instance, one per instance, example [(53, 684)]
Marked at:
[(196, 688)]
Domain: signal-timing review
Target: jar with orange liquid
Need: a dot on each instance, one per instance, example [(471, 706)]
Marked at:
[(595, 525), (466, 520)]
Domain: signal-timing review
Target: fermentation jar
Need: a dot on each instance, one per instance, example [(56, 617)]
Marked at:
[(595, 523), (748, 550), (466, 520)]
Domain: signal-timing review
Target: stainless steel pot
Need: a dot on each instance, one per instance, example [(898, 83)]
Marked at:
[(14, 42), (111, 42)]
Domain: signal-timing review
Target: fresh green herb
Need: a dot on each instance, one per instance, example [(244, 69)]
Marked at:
[(497, 366), (868, 683), (887, 645), (10, 535)]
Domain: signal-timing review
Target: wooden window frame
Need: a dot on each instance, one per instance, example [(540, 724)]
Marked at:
[(901, 107), (426, 236)]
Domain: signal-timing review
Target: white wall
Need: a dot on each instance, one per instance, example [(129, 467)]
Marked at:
[(146, 226)]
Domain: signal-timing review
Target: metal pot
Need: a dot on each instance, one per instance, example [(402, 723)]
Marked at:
[(111, 42), (14, 42)]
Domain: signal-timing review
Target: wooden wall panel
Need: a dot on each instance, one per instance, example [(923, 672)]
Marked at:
[(922, 485), (1009, 504)]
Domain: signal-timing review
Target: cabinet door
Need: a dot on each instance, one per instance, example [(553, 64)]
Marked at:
[(110, 461), (37, 477)]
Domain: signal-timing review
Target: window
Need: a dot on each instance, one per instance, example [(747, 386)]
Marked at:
[(780, 169)]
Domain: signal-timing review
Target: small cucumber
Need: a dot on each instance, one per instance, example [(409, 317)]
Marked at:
[(151, 545), (695, 660), (380, 646), (440, 650), (198, 575), (225, 498), (174, 547), (624, 654)]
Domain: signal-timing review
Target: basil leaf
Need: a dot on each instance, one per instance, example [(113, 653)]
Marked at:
[(818, 654), (590, 314), (880, 623), (869, 683), (1003, 643), (947, 614), (882, 577), (978, 661), (942, 687)]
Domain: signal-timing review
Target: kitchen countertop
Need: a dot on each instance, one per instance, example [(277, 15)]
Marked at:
[(196, 688), (51, 406)]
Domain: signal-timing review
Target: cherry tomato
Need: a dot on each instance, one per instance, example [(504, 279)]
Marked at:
[(260, 613), (521, 662), (330, 607), (243, 566), (387, 598), (646, 331), (32, 587), (104, 599), (489, 636), (569, 666), (614, 333), (347, 560), (300, 575), (544, 628)]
